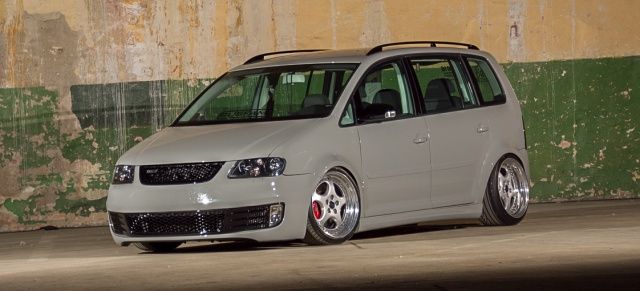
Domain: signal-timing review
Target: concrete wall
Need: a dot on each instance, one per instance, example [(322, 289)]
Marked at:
[(82, 81)]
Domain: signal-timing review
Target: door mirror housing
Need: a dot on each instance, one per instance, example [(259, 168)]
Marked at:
[(390, 114)]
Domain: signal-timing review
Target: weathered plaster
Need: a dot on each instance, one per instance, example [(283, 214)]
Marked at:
[(82, 81)]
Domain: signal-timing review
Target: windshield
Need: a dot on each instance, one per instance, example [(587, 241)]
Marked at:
[(275, 93)]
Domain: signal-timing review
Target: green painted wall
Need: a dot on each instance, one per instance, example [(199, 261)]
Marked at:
[(583, 127), (582, 122), (48, 177)]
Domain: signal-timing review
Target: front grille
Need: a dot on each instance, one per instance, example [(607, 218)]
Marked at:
[(178, 173), (190, 222)]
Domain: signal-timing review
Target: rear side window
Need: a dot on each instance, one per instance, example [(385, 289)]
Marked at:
[(489, 87), (443, 84)]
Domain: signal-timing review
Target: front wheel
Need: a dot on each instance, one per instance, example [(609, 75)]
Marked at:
[(507, 195), (334, 212)]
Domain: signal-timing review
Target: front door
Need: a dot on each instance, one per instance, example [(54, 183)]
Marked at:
[(393, 143)]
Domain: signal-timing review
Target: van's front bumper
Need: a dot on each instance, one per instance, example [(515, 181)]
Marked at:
[(220, 209)]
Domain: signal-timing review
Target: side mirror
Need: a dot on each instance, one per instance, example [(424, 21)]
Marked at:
[(390, 114), (378, 112)]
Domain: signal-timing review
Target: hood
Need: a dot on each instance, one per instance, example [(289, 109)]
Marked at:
[(211, 143)]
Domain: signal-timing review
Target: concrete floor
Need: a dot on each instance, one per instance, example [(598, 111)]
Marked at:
[(586, 246)]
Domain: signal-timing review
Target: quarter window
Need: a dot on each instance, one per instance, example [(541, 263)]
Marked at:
[(443, 84), (488, 85), (348, 116)]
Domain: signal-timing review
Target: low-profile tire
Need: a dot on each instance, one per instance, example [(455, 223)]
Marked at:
[(159, 247), (334, 211), (506, 198)]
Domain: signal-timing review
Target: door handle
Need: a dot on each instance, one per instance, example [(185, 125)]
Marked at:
[(483, 128)]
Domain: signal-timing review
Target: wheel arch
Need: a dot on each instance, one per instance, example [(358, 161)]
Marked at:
[(324, 165), (338, 168), (492, 156)]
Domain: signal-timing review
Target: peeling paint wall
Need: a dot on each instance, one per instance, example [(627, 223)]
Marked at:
[(82, 81), (581, 118)]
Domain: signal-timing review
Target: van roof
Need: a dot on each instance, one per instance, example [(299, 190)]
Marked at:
[(303, 57)]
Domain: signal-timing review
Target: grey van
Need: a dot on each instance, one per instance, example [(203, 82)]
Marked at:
[(319, 145)]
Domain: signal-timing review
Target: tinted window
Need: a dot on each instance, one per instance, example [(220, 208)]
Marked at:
[(488, 85), (384, 91), (443, 84)]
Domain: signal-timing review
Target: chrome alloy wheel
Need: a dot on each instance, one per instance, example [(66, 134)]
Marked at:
[(335, 205), (513, 188)]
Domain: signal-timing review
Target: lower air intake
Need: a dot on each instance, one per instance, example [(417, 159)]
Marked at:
[(190, 222)]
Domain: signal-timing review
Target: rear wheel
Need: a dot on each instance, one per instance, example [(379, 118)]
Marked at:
[(507, 195), (334, 212), (157, 246)]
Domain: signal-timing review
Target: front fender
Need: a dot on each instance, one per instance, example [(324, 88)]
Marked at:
[(311, 152), (321, 149)]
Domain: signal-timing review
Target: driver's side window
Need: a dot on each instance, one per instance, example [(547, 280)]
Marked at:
[(384, 94)]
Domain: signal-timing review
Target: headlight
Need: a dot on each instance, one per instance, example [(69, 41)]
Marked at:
[(123, 174), (261, 167)]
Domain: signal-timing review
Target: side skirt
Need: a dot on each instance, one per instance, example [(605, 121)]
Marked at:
[(467, 211)]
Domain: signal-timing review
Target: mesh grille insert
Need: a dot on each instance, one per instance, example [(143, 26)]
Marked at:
[(190, 222), (178, 173)]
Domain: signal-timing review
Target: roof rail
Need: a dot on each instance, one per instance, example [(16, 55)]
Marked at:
[(433, 43), (261, 56)]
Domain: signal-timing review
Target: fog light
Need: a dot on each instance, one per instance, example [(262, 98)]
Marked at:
[(276, 213)]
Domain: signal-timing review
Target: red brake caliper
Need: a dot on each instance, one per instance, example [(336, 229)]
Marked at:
[(317, 212)]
